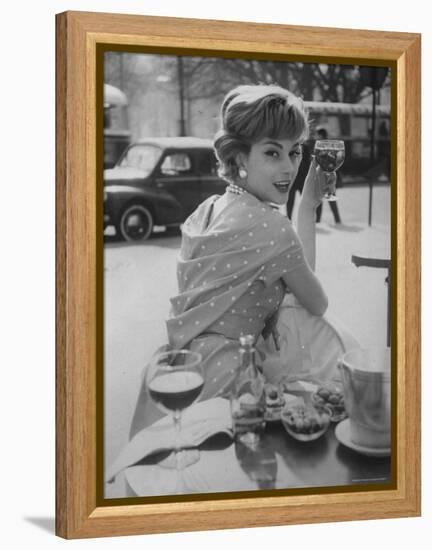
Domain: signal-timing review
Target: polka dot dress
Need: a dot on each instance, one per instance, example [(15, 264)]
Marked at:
[(229, 274)]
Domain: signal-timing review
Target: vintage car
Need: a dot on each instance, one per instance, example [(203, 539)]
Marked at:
[(159, 181)]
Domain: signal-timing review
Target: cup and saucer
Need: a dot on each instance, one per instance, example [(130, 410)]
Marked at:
[(365, 375), (362, 443)]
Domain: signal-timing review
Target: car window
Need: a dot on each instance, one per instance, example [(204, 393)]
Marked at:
[(207, 163), (175, 164), (141, 156)]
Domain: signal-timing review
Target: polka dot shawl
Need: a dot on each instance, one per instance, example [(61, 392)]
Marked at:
[(219, 261)]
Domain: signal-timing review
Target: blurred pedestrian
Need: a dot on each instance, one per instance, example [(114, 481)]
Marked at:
[(297, 186), (321, 133)]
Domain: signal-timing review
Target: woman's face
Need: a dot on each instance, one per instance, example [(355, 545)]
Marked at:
[(272, 165)]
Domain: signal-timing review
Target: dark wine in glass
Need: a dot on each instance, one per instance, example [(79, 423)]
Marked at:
[(175, 391), (330, 155), (174, 381)]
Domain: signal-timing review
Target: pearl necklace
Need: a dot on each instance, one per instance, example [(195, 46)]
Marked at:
[(236, 189)]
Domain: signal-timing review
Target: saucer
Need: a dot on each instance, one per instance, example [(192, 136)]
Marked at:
[(342, 433)]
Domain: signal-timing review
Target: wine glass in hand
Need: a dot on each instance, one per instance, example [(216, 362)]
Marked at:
[(330, 155), (174, 381)]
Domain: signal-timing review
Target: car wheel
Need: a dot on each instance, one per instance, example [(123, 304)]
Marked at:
[(136, 223)]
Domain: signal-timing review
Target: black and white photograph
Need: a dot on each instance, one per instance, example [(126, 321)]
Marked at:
[(107, 106), (247, 207)]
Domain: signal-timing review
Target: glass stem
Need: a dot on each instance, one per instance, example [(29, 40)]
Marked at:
[(177, 452), (177, 427)]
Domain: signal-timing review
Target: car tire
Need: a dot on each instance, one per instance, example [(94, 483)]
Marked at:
[(135, 224)]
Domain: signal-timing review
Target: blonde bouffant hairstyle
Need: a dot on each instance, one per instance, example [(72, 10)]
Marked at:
[(250, 113)]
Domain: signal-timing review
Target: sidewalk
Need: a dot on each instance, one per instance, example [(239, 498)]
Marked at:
[(357, 296)]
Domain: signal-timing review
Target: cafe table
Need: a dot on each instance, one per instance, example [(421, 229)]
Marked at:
[(279, 462)]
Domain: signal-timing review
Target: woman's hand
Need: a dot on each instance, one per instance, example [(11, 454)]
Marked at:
[(317, 184)]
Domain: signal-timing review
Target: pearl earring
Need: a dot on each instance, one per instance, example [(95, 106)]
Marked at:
[(243, 173)]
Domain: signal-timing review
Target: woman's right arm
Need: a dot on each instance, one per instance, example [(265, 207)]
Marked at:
[(307, 289), (313, 190), (302, 280)]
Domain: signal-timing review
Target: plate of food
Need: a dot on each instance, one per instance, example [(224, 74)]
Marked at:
[(306, 422), (277, 399), (331, 395)]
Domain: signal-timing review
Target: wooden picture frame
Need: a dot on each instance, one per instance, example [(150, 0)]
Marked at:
[(78, 264)]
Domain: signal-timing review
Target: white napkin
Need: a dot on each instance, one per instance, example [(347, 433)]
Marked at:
[(199, 422)]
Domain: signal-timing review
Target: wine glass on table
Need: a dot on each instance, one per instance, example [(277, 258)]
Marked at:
[(330, 155), (174, 381)]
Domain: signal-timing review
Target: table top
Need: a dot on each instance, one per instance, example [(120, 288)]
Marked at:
[(280, 462)]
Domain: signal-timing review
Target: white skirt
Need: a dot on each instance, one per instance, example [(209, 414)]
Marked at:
[(310, 347)]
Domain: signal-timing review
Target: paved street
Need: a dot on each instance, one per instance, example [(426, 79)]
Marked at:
[(140, 278)]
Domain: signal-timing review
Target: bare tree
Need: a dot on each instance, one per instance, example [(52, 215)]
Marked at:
[(211, 77), (208, 77)]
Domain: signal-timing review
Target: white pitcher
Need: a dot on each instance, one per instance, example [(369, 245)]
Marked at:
[(366, 380)]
